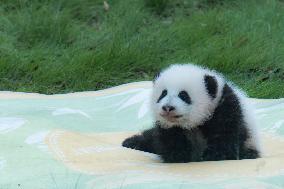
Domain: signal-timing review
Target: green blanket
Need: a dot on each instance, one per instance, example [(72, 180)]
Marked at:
[(73, 141)]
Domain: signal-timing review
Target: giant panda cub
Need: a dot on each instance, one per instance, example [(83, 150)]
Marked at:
[(199, 116)]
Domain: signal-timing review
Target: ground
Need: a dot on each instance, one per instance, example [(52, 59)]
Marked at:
[(60, 46)]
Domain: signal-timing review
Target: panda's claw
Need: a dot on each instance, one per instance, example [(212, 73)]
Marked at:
[(131, 142)]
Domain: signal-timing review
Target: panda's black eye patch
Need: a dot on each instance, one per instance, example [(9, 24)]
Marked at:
[(164, 93), (183, 95)]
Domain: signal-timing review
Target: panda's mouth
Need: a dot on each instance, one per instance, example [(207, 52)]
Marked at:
[(171, 117), (177, 116)]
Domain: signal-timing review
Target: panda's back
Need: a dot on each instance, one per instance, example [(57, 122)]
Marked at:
[(228, 126)]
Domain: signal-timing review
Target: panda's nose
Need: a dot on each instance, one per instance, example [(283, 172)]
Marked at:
[(168, 108)]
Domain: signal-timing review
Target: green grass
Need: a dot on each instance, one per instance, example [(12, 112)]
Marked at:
[(60, 46)]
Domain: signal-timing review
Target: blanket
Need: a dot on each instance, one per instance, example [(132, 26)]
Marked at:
[(74, 141)]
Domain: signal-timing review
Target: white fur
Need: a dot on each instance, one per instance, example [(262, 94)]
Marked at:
[(190, 78)]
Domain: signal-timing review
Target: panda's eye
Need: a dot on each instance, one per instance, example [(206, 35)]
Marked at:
[(183, 95), (164, 93)]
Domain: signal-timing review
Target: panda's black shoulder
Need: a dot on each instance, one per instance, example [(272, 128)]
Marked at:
[(227, 119), (227, 112)]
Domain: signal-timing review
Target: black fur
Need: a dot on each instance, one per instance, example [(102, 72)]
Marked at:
[(144, 142), (164, 93), (185, 97), (174, 145), (211, 85), (222, 137), (226, 131)]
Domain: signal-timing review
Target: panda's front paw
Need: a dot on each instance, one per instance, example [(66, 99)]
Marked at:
[(131, 142)]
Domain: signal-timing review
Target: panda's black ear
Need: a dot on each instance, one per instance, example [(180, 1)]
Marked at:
[(156, 76), (211, 85)]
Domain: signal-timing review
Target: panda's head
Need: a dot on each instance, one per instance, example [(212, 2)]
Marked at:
[(185, 95)]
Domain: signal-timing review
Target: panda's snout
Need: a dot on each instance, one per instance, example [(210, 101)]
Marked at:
[(168, 108), (169, 113)]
